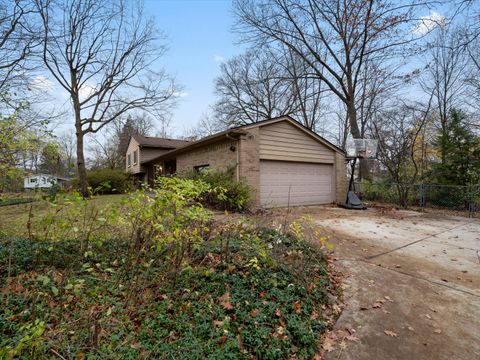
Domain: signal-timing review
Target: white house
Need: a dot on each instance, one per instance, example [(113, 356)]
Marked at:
[(42, 181)]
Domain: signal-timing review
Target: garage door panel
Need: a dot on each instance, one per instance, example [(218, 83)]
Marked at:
[(295, 183)]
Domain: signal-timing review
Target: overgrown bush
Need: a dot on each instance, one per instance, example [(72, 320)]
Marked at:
[(172, 283), (227, 193), (108, 181)]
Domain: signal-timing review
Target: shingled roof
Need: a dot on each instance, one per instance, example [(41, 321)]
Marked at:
[(156, 142)]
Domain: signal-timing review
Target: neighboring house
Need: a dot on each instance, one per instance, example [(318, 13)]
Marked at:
[(284, 162), (142, 149), (42, 181)]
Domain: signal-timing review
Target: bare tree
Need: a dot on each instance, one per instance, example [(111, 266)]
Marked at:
[(398, 131), (252, 87), (101, 53), (208, 125), (18, 40), (336, 39), (445, 77)]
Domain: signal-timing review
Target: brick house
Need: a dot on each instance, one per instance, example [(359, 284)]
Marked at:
[(284, 162)]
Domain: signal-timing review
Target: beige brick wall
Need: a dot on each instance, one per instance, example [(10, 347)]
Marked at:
[(341, 178), (217, 156), (250, 162)]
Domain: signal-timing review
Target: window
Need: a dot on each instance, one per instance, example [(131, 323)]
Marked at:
[(135, 157), (33, 180), (201, 168), (129, 160)]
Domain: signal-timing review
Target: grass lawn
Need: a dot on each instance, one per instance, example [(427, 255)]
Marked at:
[(14, 218), (159, 278)]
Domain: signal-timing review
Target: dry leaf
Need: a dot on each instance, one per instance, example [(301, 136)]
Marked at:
[(377, 305), (222, 340), (254, 312), (225, 301), (428, 317), (438, 331), (314, 315), (352, 338), (388, 298), (297, 306), (343, 345), (390, 333), (410, 328), (278, 313), (328, 344), (217, 323), (336, 309)]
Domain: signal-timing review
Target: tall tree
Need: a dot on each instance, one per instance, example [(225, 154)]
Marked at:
[(446, 77), (18, 40), (336, 39), (102, 54), (462, 165)]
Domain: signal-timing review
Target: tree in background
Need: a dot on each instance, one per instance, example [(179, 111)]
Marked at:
[(462, 164), (337, 40), (110, 150), (102, 54), (397, 132), (18, 40), (17, 140)]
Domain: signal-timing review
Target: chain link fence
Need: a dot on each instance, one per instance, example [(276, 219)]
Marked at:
[(465, 199)]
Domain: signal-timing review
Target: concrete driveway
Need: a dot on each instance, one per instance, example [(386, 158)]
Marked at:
[(411, 286)]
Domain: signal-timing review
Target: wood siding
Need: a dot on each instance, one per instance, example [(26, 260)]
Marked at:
[(147, 154), (284, 141), (132, 146)]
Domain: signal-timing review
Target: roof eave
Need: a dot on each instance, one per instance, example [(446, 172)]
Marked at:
[(199, 143)]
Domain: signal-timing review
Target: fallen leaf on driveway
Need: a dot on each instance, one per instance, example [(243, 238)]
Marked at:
[(388, 298), (410, 328), (328, 344), (390, 333), (428, 317), (438, 331)]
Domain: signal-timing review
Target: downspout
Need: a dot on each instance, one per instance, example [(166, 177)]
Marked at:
[(237, 165)]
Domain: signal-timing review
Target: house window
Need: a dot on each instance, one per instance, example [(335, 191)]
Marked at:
[(201, 168), (129, 160), (135, 157)]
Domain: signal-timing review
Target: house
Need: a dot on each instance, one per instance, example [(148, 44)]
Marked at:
[(284, 162), (142, 149), (42, 181)]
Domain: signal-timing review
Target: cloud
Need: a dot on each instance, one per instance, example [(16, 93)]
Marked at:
[(86, 90), (180, 94), (429, 22), (218, 58), (40, 83)]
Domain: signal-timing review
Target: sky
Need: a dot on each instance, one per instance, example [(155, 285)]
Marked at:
[(199, 38)]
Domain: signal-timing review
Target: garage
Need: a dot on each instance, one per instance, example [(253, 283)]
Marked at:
[(285, 183)]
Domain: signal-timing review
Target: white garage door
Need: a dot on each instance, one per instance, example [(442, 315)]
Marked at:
[(303, 183)]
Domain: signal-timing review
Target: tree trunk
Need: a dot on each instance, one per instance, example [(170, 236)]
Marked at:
[(364, 172), (82, 171)]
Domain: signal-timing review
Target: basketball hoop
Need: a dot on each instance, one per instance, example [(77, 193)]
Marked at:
[(362, 148), (358, 149)]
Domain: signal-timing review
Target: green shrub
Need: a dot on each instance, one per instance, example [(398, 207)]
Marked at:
[(108, 181), (227, 193)]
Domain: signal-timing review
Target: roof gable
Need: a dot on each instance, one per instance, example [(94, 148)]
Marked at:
[(299, 126)]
